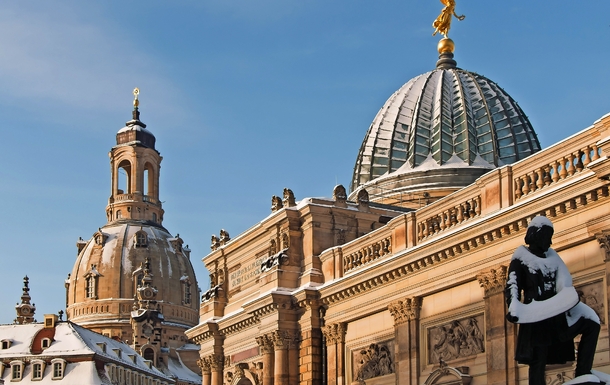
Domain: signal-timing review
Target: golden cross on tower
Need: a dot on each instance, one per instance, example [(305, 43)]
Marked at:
[(136, 92), (442, 24)]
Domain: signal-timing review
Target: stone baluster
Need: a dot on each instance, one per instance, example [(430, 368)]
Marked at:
[(555, 168)]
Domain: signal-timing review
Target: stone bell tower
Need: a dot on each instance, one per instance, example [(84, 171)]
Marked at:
[(25, 310), (135, 165)]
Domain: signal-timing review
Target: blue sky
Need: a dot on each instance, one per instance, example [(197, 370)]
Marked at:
[(245, 97)]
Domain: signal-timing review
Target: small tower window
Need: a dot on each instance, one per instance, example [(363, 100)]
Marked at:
[(118, 214), (141, 239), (186, 290), (91, 282)]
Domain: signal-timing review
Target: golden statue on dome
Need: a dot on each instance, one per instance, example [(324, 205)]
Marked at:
[(136, 92), (442, 24)]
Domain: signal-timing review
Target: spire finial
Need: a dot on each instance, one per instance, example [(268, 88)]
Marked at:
[(136, 103)]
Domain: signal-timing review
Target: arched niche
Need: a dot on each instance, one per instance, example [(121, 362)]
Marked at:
[(446, 375)]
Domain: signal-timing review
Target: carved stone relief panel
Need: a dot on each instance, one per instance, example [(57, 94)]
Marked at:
[(373, 361), (456, 339), (592, 294)]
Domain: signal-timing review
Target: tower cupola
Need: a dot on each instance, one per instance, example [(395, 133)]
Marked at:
[(135, 165)]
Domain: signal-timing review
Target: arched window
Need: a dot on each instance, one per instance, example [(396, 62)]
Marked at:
[(140, 239), (149, 354), (118, 214), (124, 177)]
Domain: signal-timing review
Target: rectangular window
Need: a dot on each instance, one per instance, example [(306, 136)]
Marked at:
[(16, 372), (58, 370), (36, 372)]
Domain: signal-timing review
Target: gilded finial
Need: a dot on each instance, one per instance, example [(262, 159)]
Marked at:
[(136, 102), (442, 24)]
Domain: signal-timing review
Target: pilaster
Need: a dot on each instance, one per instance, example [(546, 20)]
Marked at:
[(335, 351), (406, 339), (266, 345), (499, 334)]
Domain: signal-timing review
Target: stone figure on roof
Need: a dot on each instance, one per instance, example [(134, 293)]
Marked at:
[(442, 24)]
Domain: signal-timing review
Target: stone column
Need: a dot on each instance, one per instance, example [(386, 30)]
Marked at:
[(406, 339), (281, 342), (335, 352), (267, 350), (217, 367), (204, 364), (293, 359), (499, 334)]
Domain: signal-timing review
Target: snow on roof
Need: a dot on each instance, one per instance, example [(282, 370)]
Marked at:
[(73, 340), (178, 369)]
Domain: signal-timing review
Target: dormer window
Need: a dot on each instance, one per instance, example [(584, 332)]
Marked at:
[(186, 290), (45, 343), (37, 369), (140, 239), (59, 366), (91, 282), (16, 370), (6, 344)]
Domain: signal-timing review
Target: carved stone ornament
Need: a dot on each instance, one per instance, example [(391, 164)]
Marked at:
[(456, 339), (592, 295), (215, 243), (448, 375), (374, 361), (204, 364), (604, 242), (277, 259), (288, 200), (363, 199), (211, 293), (216, 362), (276, 203), (265, 342), (405, 310), (339, 194), (493, 280), (334, 333), (224, 237)]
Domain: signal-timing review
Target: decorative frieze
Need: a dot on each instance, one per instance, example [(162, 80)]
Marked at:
[(373, 361), (334, 333), (592, 294), (493, 280), (456, 339), (405, 310)]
